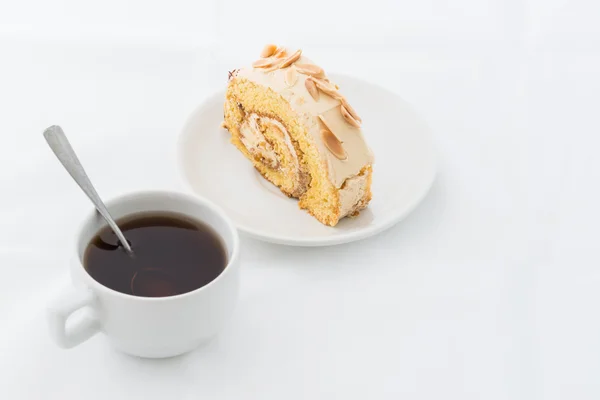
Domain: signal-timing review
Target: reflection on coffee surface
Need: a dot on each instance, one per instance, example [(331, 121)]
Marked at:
[(173, 254)]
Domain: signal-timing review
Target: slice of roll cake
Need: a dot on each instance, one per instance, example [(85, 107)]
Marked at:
[(300, 133)]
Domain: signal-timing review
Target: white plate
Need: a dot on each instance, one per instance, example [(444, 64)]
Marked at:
[(403, 171)]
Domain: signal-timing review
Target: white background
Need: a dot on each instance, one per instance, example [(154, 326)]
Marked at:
[(489, 290)]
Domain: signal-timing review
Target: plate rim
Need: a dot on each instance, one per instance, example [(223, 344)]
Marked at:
[(342, 238)]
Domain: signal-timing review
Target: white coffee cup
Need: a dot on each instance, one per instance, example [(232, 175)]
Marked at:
[(147, 326)]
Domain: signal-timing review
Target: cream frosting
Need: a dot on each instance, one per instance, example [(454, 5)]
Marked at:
[(351, 193), (358, 152)]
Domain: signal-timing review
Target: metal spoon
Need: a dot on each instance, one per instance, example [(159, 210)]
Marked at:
[(62, 149)]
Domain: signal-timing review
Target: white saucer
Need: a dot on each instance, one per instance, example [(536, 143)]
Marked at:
[(403, 171)]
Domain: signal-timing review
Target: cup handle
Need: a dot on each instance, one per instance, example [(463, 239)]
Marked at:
[(78, 331)]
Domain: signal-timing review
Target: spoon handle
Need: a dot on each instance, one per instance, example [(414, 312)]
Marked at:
[(61, 147)]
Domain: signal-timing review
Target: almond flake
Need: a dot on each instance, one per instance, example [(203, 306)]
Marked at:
[(350, 110), (322, 119), (275, 66), (324, 85), (311, 87), (291, 76), (268, 51), (333, 144), (348, 117), (291, 59), (280, 53), (310, 69), (263, 63), (327, 88)]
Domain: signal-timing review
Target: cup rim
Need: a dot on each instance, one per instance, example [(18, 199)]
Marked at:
[(133, 196)]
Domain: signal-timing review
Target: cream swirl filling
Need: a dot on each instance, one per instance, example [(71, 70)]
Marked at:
[(253, 137)]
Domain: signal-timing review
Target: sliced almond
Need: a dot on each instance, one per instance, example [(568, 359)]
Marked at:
[(322, 83), (322, 119), (327, 88), (268, 51), (348, 117), (350, 110), (291, 59), (310, 69), (291, 76), (275, 66), (311, 87), (280, 53), (333, 144), (263, 63)]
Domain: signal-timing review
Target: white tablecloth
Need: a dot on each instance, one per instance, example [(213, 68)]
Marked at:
[(487, 291)]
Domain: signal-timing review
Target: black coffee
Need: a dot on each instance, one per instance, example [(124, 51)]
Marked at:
[(173, 255)]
